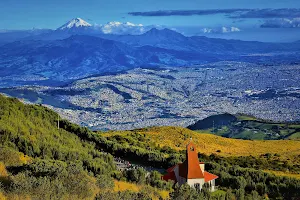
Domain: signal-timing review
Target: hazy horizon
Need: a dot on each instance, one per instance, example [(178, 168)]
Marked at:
[(253, 21)]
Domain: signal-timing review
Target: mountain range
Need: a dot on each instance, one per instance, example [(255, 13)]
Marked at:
[(77, 49)]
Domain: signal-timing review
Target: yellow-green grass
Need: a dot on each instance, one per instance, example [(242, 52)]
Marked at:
[(11, 157), (295, 136), (3, 172), (2, 197), (246, 118), (177, 138), (280, 173), (123, 185), (155, 193)]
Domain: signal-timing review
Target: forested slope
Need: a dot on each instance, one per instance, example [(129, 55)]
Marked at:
[(40, 161)]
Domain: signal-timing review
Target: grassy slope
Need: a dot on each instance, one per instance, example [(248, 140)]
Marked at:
[(36, 126), (177, 138), (280, 173), (123, 186)]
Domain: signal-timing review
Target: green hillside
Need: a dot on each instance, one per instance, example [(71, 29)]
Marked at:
[(247, 127), (40, 161)]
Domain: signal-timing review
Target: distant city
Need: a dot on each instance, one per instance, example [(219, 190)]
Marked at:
[(173, 96)]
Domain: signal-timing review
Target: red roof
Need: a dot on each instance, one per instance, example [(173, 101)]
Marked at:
[(169, 176), (171, 169), (190, 168), (208, 177)]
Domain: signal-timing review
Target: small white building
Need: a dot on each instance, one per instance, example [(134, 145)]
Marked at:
[(191, 171)]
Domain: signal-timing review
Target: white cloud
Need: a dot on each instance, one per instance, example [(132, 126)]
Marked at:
[(120, 28), (282, 23), (221, 30)]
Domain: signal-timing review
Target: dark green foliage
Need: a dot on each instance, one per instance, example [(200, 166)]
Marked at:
[(185, 192), (52, 180), (154, 179), (256, 181), (136, 175), (125, 195), (105, 182)]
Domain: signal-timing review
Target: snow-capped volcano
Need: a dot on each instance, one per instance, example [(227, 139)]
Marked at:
[(75, 23), (78, 25)]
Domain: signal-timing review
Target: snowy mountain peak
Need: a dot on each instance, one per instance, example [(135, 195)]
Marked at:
[(75, 23)]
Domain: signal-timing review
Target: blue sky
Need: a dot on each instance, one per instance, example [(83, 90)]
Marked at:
[(24, 14), (27, 14)]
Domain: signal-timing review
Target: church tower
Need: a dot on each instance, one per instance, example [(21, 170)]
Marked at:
[(190, 167), (191, 171)]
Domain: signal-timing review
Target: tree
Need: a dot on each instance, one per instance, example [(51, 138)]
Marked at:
[(185, 192), (229, 195), (240, 194), (105, 181)]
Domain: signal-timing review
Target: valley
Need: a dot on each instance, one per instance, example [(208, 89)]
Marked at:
[(176, 96)]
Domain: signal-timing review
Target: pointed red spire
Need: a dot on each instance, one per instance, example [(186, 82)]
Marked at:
[(190, 168)]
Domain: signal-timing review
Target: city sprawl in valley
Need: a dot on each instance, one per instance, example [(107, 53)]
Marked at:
[(174, 96)]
